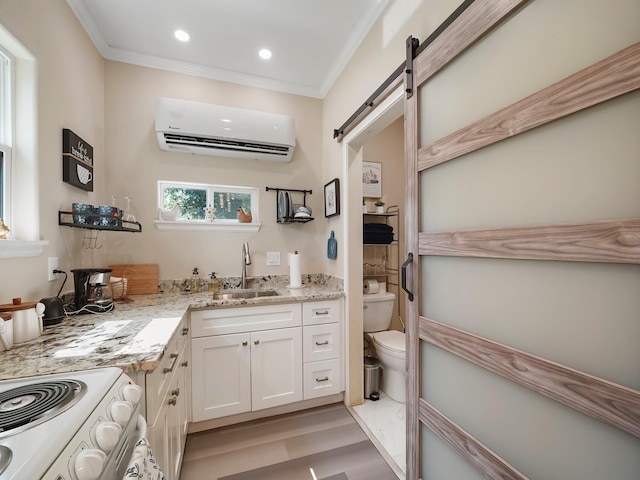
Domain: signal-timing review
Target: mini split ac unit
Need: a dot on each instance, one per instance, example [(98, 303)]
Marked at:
[(193, 127)]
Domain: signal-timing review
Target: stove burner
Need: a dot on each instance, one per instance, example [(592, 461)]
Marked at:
[(29, 405)]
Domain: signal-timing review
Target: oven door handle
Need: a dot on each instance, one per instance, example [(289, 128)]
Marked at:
[(142, 427)]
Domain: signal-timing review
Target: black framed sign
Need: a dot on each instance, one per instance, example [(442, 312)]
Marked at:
[(77, 161), (332, 198)]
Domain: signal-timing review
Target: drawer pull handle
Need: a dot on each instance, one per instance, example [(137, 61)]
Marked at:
[(176, 392), (173, 401), (326, 342), (245, 343), (173, 364), (185, 330), (323, 312), (256, 342), (323, 379)]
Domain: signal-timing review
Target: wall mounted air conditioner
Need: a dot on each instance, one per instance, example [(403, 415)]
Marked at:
[(193, 127)]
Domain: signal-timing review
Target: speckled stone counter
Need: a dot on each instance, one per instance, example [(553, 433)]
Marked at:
[(134, 335)]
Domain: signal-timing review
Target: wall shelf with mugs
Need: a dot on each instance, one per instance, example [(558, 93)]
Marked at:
[(98, 218), (287, 210)]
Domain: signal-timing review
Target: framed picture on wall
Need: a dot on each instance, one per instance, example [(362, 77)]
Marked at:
[(77, 161), (332, 198), (371, 179)]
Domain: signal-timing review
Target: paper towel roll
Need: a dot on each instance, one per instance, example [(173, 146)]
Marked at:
[(295, 274), (370, 286)]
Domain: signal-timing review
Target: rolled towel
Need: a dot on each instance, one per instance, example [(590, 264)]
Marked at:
[(143, 463)]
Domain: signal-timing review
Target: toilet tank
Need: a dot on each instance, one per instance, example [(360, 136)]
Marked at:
[(378, 309)]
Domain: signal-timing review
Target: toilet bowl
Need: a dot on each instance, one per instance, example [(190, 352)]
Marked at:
[(389, 345)]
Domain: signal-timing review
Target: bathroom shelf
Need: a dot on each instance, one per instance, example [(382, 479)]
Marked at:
[(288, 219), (391, 272), (66, 219)]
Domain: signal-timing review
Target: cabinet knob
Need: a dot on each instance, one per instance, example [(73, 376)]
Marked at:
[(323, 379), (176, 392), (256, 342), (323, 312), (326, 342), (245, 343), (173, 401), (185, 330), (185, 363)]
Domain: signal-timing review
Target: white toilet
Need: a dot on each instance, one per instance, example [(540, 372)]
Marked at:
[(389, 345)]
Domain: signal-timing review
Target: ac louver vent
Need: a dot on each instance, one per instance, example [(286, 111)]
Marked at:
[(224, 144)]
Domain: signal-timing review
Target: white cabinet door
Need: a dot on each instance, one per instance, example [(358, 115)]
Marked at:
[(220, 376), (276, 367)]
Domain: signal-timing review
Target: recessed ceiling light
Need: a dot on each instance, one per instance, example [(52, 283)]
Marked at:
[(182, 35), (265, 53)]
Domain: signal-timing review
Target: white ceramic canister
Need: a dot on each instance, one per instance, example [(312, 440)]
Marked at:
[(26, 322), (6, 332)]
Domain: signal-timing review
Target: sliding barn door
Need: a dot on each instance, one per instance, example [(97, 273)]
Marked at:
[(523, 179)]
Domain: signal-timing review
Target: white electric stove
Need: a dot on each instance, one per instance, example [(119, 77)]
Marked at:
[(71, 426)]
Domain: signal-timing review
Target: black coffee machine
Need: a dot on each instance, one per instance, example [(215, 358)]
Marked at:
[(92, 290)]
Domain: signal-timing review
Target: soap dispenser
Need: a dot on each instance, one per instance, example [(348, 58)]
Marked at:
[(214, 282), (195, 281)]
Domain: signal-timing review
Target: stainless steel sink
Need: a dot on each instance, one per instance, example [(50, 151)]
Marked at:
[(244, 293)]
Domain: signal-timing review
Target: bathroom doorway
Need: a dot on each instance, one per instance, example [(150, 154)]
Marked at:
[(371, 141)]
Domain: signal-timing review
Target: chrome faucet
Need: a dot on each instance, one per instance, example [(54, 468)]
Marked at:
[(246, 260)]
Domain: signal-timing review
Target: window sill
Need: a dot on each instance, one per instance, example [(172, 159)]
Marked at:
[(207, 227), (21, 248)]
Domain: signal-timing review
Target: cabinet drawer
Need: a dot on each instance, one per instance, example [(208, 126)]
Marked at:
[(222, 321), (322, 378), (327, 311), (321, 342), (157, 382)]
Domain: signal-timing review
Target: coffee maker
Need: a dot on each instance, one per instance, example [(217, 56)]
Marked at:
[(92, 291)]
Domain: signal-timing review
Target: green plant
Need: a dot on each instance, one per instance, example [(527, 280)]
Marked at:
[(379, 203)]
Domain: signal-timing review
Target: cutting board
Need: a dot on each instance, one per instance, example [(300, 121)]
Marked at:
[(141, 277)]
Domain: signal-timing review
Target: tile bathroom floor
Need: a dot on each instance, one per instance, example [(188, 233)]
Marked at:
[(385, 420)]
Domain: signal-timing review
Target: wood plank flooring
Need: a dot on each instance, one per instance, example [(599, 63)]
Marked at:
[(326, 439)]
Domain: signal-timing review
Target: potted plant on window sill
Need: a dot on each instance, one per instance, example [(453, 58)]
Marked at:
[(379, 206)]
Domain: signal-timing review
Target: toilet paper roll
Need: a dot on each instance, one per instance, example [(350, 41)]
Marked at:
[(382, 287), (371, 286), (295, 274)]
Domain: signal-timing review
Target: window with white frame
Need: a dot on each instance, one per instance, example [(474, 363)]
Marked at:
[(5, 136), (197, 199)]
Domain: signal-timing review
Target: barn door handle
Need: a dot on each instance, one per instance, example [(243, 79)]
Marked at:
[(404, 276)]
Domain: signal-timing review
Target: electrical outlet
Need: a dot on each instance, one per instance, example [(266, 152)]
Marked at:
[(53, 265), (273, 258)]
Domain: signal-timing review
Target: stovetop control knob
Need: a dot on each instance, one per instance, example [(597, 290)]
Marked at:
[(132, 393), (121, 412), (107, 435), (90, 464)]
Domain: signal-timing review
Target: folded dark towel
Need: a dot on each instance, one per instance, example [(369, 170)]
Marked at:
[(380, 233), (377, 227), (377, 237)]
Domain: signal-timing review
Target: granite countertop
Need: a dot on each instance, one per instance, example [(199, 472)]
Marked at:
[(133, 336)]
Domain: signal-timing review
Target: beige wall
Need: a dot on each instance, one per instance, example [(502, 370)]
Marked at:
[(382, 51), (69, 94), (136, 163), (111, 106)]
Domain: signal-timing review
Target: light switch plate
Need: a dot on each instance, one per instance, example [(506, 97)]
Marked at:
[(273, 258)]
